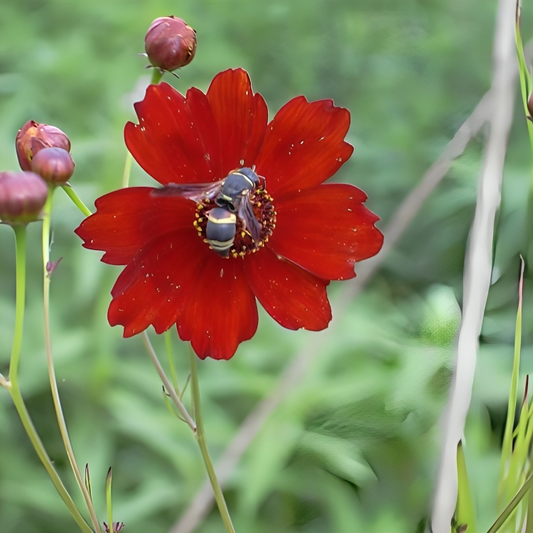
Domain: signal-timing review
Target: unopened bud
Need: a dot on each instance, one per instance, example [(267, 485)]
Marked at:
[(170, 43), (530, 104), (33, 137), (117, 526), (54, 165), (22, 197)]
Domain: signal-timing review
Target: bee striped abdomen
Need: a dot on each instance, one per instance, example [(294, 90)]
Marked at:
[(220, 230)]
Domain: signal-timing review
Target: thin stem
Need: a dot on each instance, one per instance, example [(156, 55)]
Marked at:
[(200, 437), (507, 445), (512, 505), (50, 363), (157, 74), (20, 297), (13, 386), (76, 199), (166, 382), (127, 171), (173, 374)]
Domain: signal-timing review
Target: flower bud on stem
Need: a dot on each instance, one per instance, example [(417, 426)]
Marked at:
[(170, 43)]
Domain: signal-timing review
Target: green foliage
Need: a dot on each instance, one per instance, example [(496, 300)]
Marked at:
[(354, 446)]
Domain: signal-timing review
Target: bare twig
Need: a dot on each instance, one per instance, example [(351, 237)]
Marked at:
[(478, 264)]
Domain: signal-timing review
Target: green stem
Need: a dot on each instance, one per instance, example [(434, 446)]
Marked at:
[(169, 388), (507, 477), (200, 437), (524, 74), (157, 74), (127, 171), (512, 505), (13, 386), (20, 297), (50, 363), (172, 366), (76, 199)]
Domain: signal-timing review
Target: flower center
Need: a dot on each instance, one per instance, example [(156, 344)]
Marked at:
[(229, 234)]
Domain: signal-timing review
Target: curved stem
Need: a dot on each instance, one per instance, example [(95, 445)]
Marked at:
[(13, 387), (76, 199), (50, 363), (172, 366), (200, 437), (166, 382), (197, 427)]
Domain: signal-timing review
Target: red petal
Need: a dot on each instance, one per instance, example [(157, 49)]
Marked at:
[(172, 142), (241, 118), (221, 312), (125, 220), (155, 286), (326, 230), (304, 146), (291, 296)]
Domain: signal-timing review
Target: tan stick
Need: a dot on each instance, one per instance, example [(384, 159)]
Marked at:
[(478, 264)]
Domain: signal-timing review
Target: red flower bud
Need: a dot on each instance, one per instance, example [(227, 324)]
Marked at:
[(170, 43), (530, 104), (54, 165), (22, 197), (33, 137)]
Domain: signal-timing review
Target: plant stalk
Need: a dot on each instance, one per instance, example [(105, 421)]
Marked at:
[(200, 437), (50, 363), (12, 384)]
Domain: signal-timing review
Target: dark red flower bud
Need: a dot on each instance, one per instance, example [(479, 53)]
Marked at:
[(530, 104), (33, 137), (54, 165), (170, 43), (22, 197)]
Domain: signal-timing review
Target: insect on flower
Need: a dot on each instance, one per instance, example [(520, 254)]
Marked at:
[(201, 251), (232, 195)]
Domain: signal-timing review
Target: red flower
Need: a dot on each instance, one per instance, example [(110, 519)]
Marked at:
[(316, 233)]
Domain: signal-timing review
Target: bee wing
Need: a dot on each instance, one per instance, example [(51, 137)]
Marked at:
[(192, 191), (246, 212)]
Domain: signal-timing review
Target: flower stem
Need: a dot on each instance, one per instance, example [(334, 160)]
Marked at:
[(76, 199), (127, 171), (200, 437), (172, 366), (166, 382), (157, 74), (20, 298), (13, 387), (50, 363), (197, 427)]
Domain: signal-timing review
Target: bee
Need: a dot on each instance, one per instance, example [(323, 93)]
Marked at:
[(232, 197), (220, 230)]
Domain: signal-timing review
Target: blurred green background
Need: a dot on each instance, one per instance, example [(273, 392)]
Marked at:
[(354, 445)]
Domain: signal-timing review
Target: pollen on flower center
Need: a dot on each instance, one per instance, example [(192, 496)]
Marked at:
[(239, 240)]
